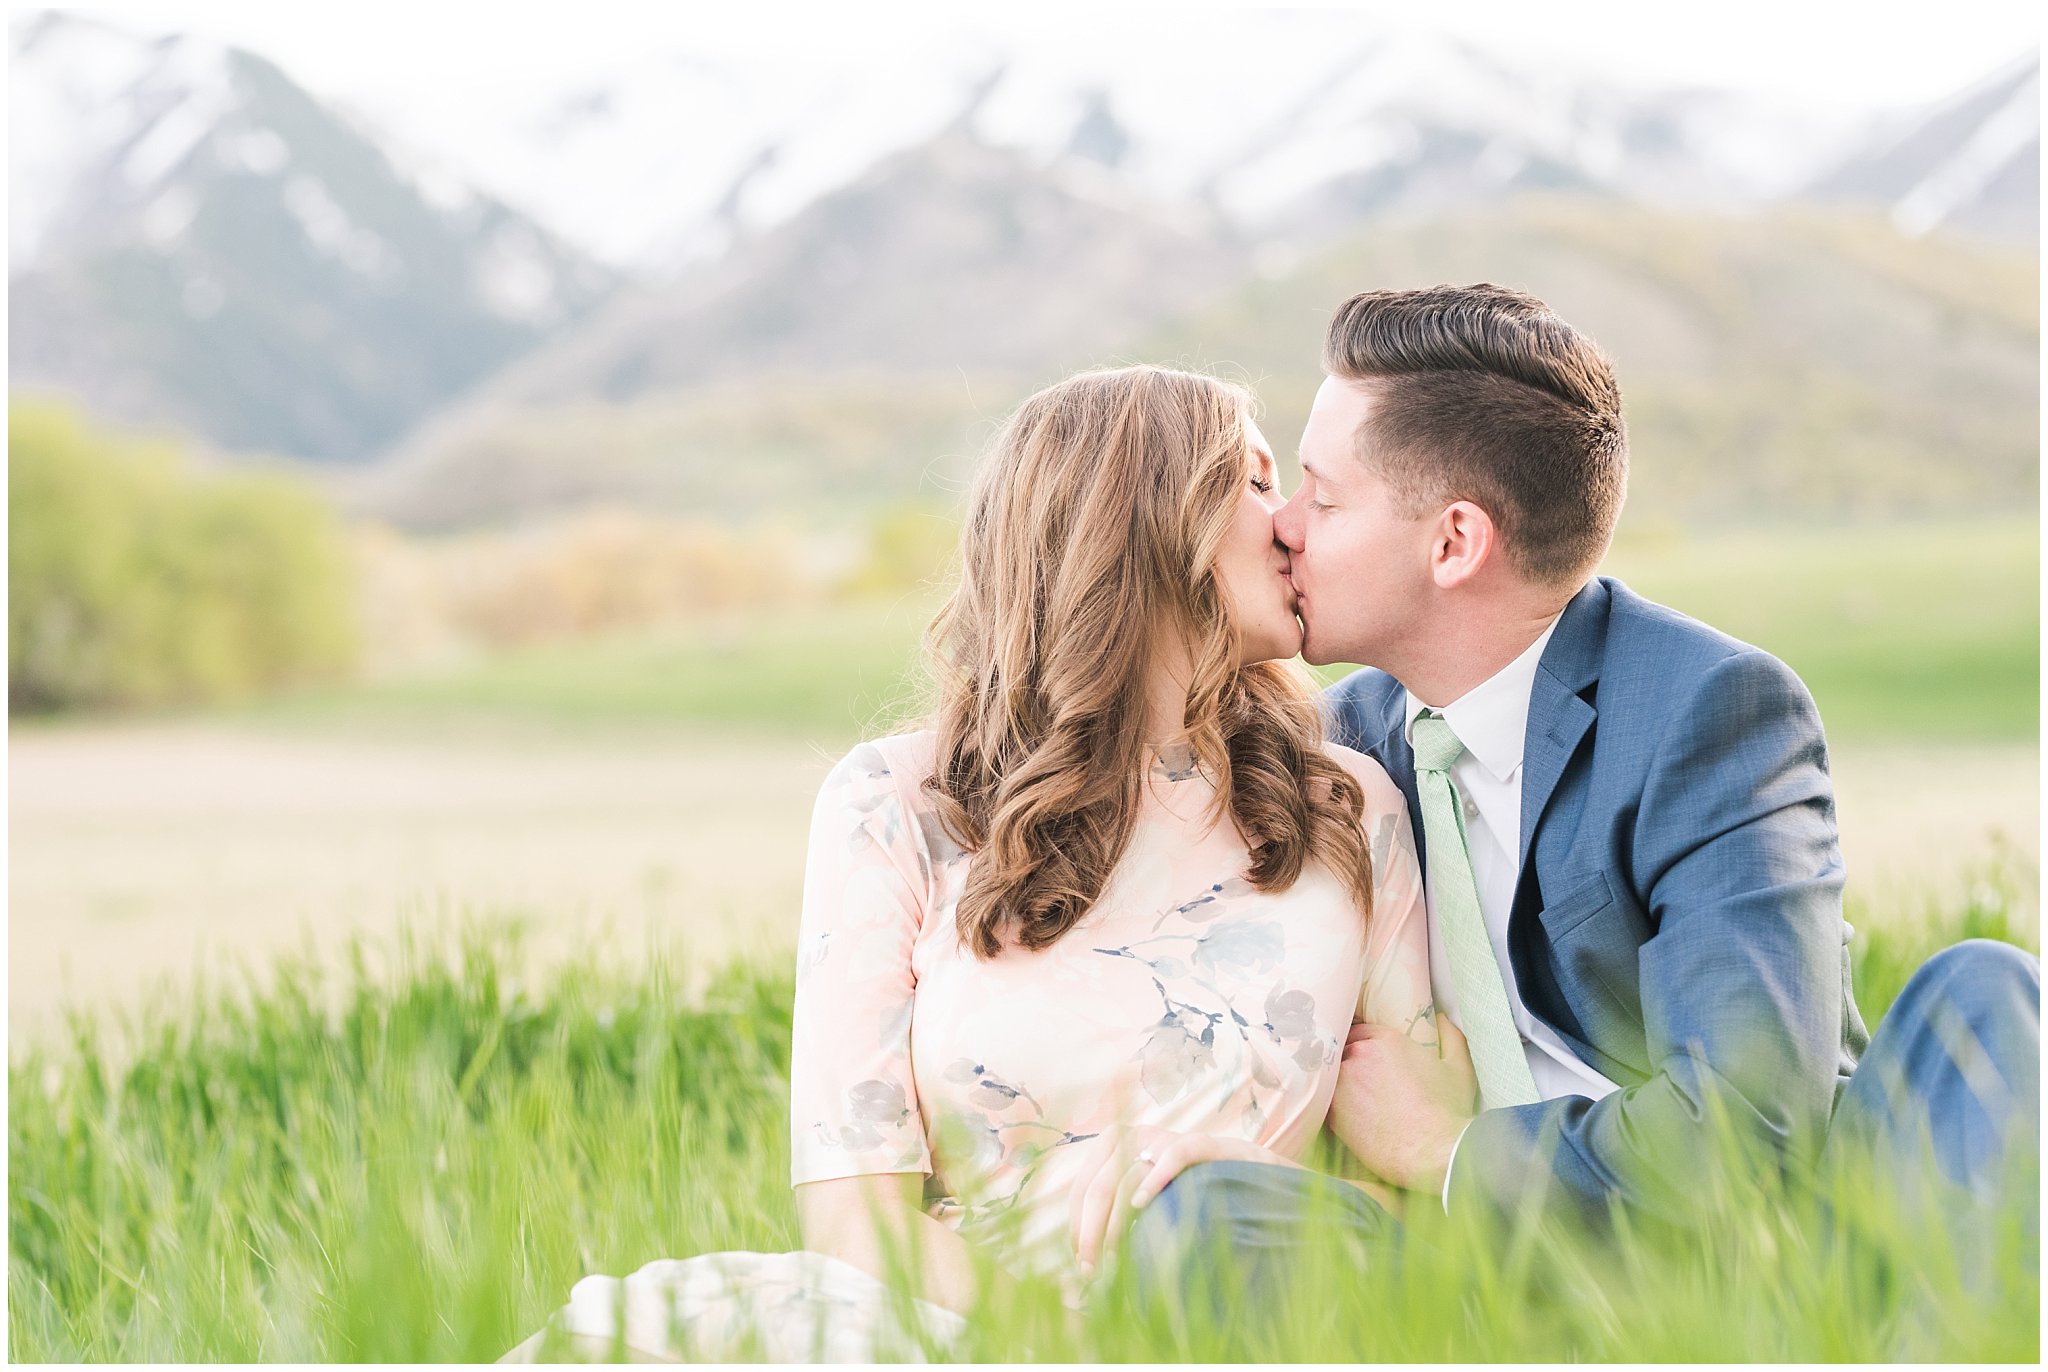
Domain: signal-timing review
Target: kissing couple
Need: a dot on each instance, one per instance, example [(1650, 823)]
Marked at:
[(1523, 911)]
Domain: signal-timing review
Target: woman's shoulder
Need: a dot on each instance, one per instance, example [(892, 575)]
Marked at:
[(896, 764), (1382, 795)]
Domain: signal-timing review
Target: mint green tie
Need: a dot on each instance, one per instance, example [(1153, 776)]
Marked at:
[(1497, 1053)]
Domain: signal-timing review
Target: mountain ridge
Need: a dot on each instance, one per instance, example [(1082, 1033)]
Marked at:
[(243, 264), (1812, 363), (339, 296)]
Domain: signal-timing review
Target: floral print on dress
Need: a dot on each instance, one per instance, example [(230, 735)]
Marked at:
[(1185, 998)]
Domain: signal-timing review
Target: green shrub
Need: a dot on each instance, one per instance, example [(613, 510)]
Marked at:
[(135, 582)]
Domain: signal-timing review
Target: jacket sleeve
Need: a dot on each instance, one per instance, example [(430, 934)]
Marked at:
[(1735, 858)]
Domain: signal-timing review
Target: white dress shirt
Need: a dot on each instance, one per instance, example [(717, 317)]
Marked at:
[(1492, 721)]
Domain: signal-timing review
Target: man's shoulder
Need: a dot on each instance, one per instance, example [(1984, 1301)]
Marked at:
[(1670, 685), (1365, 686), (1650, 659), (1640, 627), (1667, 651), (1623, 630), (1360, 708)]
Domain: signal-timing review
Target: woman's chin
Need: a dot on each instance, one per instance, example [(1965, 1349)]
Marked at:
[(1295, 636), (1277, 646)]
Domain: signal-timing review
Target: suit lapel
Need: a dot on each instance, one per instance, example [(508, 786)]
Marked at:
[(1558, 719), (1398, 758), (1559, 715)]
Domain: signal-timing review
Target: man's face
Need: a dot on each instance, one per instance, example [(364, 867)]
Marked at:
[(1360, 562)]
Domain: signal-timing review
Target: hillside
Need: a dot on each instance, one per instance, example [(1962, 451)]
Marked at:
[(837, 357), (1798, 363), (1803, 363), (846, 270)]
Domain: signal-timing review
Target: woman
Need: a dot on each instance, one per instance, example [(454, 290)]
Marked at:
[(1109, 916)]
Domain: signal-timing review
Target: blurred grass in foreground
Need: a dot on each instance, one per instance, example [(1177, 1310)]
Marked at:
[(1901, 632), (415, 1161)]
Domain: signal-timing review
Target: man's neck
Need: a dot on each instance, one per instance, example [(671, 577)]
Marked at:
[(1473, 653)]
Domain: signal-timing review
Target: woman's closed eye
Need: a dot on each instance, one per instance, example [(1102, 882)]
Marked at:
[(1261, 486)]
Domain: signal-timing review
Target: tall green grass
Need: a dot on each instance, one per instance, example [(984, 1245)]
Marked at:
[(414, 1158)]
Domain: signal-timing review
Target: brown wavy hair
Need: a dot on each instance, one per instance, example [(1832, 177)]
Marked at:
[(1088, 556)]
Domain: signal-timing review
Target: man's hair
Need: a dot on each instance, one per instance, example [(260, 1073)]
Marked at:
[(1482, 394)]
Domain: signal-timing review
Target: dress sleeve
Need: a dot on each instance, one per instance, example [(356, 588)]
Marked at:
[(853, 1105), (1396, 991)]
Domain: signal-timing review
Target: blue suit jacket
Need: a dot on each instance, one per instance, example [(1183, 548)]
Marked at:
[(1678, 916)]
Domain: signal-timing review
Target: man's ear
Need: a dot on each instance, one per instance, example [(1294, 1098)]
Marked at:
[(1464, 541)]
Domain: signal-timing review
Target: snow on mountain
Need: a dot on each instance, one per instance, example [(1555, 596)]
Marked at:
[(199, 242), (85, 98), (1972, 161), (1424, 122), (196, 239), (1369, 109), (1712, 148), (665, 159)]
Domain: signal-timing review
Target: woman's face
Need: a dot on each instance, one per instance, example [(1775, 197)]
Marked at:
[(1252, 565)]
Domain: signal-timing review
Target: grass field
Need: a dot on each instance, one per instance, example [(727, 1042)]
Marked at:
[(424, 1174), (140, 851), (396, 1156), (1901, 632)]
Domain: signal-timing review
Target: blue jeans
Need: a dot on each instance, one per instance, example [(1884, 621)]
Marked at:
[(1955, 1066)]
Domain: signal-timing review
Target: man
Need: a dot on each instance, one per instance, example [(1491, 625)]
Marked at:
[(1626, 821)]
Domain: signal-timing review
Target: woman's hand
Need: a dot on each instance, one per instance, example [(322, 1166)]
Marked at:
[(1128, 1167)]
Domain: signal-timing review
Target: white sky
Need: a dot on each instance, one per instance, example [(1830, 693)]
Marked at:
[(431, 56)]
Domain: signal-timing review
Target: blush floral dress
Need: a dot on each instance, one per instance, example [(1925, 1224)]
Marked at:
[(1185, 999)]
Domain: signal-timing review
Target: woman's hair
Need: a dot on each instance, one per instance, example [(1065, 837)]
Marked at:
[(1090, 544)]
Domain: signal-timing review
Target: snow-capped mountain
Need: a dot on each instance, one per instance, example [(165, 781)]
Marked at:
[(945, 273), (665, 158), (662, 160), (197, 241), (1972, 162)]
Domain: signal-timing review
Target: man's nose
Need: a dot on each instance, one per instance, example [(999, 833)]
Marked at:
[(1287, 524)]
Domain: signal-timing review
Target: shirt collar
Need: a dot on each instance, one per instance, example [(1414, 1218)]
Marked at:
[(1492, 719)]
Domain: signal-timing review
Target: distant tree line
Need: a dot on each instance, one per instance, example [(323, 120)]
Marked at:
[(136, 581)]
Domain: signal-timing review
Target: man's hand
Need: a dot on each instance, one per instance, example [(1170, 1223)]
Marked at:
[(1125, 1168), (1399, 1107)]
